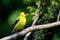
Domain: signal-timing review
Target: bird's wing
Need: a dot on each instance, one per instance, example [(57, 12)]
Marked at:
[(15, 22), (14, 25)]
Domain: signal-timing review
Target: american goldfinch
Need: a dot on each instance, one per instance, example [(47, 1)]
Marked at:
[(20, 22)]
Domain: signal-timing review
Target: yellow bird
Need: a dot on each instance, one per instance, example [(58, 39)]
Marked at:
[(20, 22)]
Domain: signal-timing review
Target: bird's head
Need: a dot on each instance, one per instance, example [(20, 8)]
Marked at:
[(23, 14)]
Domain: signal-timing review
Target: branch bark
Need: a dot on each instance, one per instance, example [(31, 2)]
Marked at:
[(36, 27)]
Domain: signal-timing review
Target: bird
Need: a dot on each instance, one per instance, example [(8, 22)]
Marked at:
[(20, 22)]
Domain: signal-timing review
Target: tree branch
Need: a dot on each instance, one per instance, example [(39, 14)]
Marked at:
[(36, 27)]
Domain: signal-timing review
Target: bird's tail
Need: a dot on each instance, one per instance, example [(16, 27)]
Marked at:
[(13, 31)]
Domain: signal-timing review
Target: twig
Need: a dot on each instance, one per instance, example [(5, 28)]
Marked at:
[(23, 32), (27, 35)]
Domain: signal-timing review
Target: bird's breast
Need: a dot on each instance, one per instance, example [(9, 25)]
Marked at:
[(21, 23)]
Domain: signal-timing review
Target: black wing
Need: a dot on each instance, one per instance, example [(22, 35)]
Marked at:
[(15, 22), (14, 25)]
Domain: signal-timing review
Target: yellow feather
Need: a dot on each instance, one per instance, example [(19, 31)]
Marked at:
[(21, 23)]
